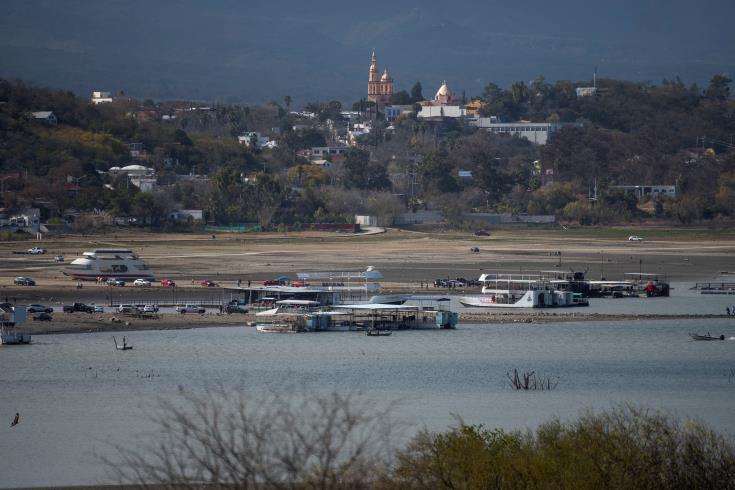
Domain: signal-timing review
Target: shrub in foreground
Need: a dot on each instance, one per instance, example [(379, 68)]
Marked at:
[(224, 439), (624, 448)]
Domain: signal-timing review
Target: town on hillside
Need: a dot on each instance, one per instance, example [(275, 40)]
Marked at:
[(571, 153)]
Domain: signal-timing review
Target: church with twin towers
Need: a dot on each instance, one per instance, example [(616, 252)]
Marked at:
[(379, 89)]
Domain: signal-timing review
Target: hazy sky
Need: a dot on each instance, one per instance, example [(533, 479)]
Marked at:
[(254, 51)]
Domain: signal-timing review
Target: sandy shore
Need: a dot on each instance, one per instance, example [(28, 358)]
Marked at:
[(407, 260)]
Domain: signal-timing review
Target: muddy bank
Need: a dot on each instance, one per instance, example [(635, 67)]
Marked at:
[(509, 317), (106, 322), (85, 323)]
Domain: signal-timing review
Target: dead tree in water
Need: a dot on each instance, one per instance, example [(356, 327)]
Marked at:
[(528, 381)]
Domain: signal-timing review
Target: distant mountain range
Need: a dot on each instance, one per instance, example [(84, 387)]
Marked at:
[(255, 51)]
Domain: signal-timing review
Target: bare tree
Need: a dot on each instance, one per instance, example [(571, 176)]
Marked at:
[(284, 441)]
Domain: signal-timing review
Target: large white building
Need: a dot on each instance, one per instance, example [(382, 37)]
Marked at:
[(433, 111), (536, 133), (101, 98)]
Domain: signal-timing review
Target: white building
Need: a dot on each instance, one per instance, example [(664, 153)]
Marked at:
[(649, 190), (46, 117), (586, 91), (101, 98), (325, 152), (358, 129), (141, 177), (145, 184), (536, 133), (440, 111), (256, 140)]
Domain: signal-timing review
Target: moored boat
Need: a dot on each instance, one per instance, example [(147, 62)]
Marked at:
[(696, 336), (520, 291)]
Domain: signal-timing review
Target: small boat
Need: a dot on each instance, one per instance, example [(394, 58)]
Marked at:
[(696, 336), (123, 346), (374, 332), (12, 338)]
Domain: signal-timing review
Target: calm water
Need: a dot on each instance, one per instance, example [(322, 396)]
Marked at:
[(76, 394)]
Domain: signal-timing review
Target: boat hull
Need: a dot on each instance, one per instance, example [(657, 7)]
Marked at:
[(14, 339), (707, 337), (521, 299)]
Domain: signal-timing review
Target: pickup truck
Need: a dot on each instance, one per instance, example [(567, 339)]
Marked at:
[(190, 309), (78, 307), (36, 250)]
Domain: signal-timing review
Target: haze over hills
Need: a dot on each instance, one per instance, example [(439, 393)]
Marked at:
[(232, 51)]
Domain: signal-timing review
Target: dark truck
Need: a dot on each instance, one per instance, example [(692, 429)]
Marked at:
[(78, 307)]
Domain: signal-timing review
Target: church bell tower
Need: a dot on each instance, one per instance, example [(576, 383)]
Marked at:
[(379, 89)]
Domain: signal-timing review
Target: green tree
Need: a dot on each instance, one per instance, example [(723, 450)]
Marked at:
[(400, 98), (416, 94), (719, 87)]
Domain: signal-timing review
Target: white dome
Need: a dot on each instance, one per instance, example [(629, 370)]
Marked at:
[(444, 91), (134, 167)]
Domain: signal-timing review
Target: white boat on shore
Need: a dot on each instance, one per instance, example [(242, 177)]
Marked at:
[(119, 263)]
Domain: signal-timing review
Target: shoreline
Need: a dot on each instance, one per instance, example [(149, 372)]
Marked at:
[(105, 324)]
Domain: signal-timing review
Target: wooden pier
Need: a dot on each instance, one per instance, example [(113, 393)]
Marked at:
[(715, 287)]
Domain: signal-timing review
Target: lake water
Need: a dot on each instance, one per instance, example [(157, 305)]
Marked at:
[(76, 394)]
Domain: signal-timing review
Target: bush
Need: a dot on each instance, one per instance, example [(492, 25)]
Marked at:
[(623, 448)]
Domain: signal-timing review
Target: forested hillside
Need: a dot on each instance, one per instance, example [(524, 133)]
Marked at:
[(627, 134)]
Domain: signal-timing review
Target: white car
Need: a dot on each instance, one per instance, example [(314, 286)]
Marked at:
[(128, 309), (36, 250), (190, 309), (150, 309), (635, 238), (98, 308), (142, 283)]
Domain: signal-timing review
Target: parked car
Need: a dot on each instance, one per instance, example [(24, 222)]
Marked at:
[(36, 250), (235, 308), (208, 284), (274, 282), (97, 308), (58, 258), (24, 281), (150, 309), (113, 281), (42, 317), (635, 238), (482, 233), (78, 307), (128, 309), (168, 283), (39, 309), (142, 283), (190, 309)]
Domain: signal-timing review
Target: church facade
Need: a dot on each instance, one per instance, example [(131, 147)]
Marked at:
[(379, 89)]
